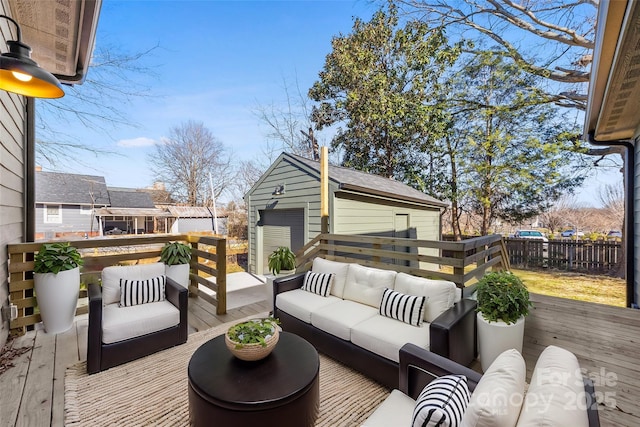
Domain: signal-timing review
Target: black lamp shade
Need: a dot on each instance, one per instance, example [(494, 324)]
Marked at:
[(20, 74)]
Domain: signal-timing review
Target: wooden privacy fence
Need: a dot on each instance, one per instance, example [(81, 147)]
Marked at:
[(208, 268), (579, 255), (466, 260)]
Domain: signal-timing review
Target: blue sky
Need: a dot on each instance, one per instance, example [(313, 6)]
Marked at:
[(216, 61)]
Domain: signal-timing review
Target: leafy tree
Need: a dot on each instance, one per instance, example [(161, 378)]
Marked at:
[(377, 84), (186, 158), (551, 39), (513, 149)]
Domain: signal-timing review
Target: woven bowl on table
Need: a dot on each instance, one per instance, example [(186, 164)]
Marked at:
[(254, 351)]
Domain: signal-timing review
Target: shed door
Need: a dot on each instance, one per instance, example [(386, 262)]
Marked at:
[(281, 227)]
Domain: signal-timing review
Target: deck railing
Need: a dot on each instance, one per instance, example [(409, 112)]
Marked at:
[(459, 262), (208, 268)]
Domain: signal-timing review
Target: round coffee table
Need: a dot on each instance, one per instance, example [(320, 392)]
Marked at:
[(279, 390)]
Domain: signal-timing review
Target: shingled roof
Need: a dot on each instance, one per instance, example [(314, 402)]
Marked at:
[(350, 179), (129, 198), (66, 188)]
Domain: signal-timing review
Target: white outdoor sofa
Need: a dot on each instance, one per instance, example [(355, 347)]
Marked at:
[(348, 325)]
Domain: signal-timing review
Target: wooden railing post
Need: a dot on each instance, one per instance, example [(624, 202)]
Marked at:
[(193, 266), (221, 277)]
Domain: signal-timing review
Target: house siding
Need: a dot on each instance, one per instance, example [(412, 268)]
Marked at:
[(302, 190), (12, 174), (636, 221), (355, 214), (72, 221)]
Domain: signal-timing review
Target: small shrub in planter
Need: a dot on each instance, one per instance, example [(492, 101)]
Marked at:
[(502, 296), (57, 257), (281, 259), (175, 253)]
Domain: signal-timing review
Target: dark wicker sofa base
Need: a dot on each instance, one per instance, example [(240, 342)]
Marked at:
[(452, 335)]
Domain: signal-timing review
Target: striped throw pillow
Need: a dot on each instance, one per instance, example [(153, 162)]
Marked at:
[(134, 292), (318, 283), (406, 308), (442, 402)]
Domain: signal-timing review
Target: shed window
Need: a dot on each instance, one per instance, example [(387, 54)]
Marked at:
[(52, 214)]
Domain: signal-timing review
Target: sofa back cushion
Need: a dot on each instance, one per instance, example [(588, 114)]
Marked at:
[(365, 284), (441, 294), (497, 399), (556, 395), (339, 271), (111, 278)]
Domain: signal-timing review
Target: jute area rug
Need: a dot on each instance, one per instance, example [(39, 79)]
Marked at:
[(153, 391)]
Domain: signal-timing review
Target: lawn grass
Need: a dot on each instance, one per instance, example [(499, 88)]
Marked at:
[(583, 287)]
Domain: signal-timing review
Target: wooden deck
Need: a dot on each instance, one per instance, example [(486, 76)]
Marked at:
[(605, 339)]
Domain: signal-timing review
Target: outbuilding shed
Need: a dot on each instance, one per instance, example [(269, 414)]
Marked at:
[(284, 207)]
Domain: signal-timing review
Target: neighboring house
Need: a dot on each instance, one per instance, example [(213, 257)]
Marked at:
[(65, 204), (613, 113), (130, 211), (185, 219), (61, 35), (284, 207)]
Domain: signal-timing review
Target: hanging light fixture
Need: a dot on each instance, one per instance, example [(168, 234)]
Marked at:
[(20, 74)]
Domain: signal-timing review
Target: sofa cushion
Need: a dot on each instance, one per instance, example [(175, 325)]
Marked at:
[(317, 283), (395, 410), (405, 308), (300, 304), (556, 395), (441, 294), (384, 336), (338, 319), (135, 292), (121, 323), (338, 269), (365, 284), (111, 278), (442, 402), (497, 399)]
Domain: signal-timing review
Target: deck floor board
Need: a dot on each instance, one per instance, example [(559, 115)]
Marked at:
[(605, 339)]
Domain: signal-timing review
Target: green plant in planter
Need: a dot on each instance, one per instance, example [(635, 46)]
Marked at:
[(282, 259), (57, 257), (175, 253), (502, 296), (254, 331)]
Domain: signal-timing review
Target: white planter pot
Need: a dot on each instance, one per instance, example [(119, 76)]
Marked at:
[(269, 285), (496, 337), (179, 273), (57, 296)]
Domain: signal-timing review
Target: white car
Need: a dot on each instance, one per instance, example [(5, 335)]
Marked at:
[(571, 233), (530, 234)]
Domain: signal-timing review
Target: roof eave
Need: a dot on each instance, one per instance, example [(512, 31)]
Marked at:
[(390, 196), (613, 27)]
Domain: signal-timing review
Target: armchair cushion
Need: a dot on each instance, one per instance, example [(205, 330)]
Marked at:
[(135, 292), (441, 294), (338, 269), (396, 410), (111, 278), (300, 304), (556, 394), (338, 319), (318, 283), (385, 336), (121, 323), (497, 399), (365, 284), (442, 402), (405, 308)]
